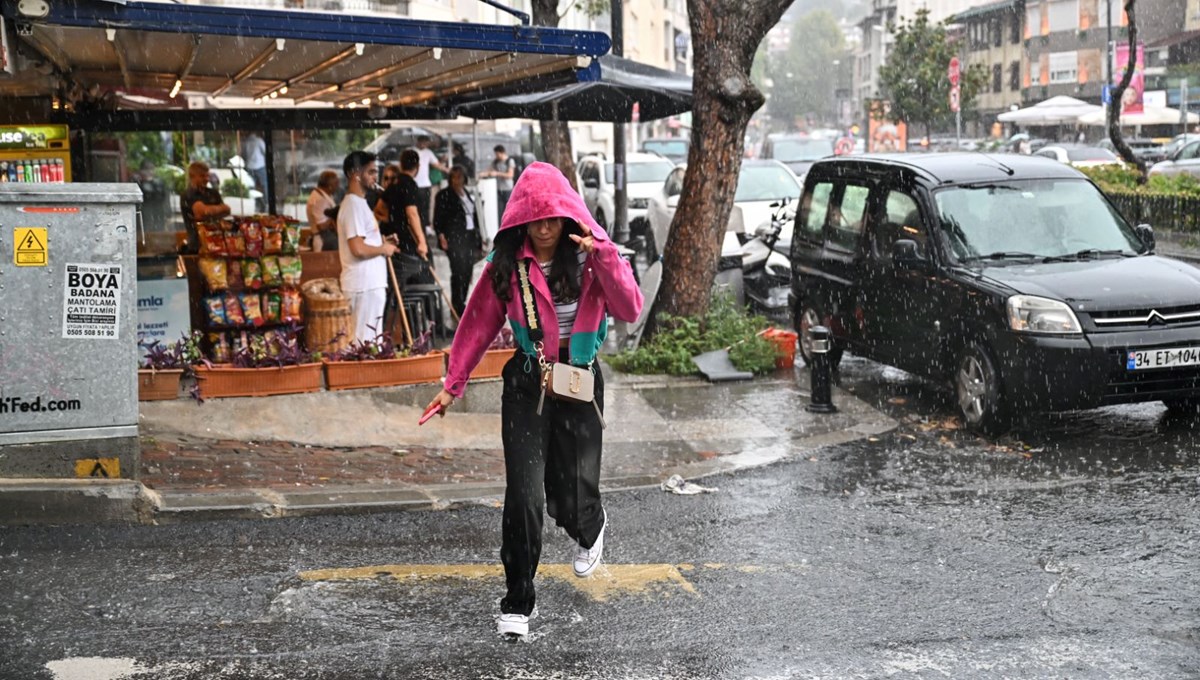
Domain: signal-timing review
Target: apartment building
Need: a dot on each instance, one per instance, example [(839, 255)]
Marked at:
[(993, 36)]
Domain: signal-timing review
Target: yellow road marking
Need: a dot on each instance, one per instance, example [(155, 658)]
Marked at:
[(605, 582)]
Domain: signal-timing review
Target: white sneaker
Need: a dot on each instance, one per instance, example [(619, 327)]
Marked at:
[(587, 559), (513, 624)]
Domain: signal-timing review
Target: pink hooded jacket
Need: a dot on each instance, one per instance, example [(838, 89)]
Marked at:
[(608, 286)]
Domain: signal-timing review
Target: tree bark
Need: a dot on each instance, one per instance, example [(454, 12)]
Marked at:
[(726, 34), (556, 135), (1118, 93)]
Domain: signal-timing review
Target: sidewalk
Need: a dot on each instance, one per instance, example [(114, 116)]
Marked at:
[(361, 450)]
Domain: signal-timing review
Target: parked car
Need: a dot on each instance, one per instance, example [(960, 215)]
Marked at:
[(1079, 156), (760, 183), (797, 151), (1184, 161), (644, 174), (1144, 148), (673, 148), (1011, 279)]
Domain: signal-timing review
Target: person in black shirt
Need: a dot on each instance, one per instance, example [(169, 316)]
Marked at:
[(460, 158), (458, 234), (198, 203), (402, 200)]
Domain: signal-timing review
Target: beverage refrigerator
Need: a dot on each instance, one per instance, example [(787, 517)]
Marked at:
[(35, 154)]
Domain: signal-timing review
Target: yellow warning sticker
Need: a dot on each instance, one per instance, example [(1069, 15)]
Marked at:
[(104, 468), (30, 247)]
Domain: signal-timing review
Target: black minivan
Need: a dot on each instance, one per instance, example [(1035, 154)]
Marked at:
[(1009, 277)]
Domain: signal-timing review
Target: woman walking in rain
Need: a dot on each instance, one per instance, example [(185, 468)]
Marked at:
[(555, 275)]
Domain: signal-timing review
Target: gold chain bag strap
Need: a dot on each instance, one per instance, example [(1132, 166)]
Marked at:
[(561, 381)]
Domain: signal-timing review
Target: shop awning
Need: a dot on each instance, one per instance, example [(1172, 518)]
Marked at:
[(166, 51)]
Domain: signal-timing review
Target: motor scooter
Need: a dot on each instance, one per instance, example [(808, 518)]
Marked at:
[(766, 267)]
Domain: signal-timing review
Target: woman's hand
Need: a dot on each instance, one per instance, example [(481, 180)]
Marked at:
[(586, 243), (443, 401)]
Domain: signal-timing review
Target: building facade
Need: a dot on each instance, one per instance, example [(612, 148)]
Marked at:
[(992, 37)]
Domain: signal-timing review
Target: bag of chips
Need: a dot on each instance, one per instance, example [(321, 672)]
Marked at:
[(235, 275), (215, 307), (233, 310), (272, 241), (272, 303), (291, 238), (252, 274), (212, 238), (272, 341), (291, 270), (235, 244), (271, 275), (290, 310), (221, 353), (240, 342), (215, 273), (254, 238), (251, 309)]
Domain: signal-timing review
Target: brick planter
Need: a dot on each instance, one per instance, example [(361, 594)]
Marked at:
[(158, 384), (492, 363), (222, 381), (349, 375)]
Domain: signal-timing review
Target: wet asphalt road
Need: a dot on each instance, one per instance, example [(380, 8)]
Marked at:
[(1070, 549)]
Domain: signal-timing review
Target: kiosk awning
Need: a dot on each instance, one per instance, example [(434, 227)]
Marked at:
[(310, 58)]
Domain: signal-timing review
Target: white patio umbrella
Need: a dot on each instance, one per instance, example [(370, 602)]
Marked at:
[(1150, 115), (1053, 111)]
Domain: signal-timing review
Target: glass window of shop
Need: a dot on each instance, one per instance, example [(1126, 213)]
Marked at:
[(158, 160)]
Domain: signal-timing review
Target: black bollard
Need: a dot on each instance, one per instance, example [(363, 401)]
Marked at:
[(822, 387)]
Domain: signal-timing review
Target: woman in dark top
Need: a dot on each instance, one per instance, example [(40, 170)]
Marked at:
[(458, 234)]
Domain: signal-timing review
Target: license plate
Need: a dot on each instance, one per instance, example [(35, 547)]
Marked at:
[(1140, 360)]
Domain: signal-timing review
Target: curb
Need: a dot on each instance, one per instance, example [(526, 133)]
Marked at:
[(68, 501)]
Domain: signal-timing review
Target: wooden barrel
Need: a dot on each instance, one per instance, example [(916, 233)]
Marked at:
[(327, 316)]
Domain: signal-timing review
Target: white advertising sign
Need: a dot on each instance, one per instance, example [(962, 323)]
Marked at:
[(92, 303), (162, 311)]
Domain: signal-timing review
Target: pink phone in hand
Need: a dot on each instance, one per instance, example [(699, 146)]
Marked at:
[(433, 411)]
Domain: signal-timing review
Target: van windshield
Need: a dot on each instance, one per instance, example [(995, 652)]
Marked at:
[(1032, 218), (801, 149)]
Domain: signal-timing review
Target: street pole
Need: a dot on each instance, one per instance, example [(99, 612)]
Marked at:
[(1109, 56), (620, 225), (1183, 105)]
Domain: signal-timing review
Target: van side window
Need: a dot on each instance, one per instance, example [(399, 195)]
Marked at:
[(901, 220), (847, 217), (814, 211)]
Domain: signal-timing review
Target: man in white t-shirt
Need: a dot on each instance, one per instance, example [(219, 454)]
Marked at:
[(361, 249), (424, 184)]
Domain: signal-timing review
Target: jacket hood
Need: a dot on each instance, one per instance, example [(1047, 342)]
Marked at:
[(543, 191)]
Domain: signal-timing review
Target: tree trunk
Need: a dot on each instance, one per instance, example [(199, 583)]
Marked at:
[(556, 144), (726, 34), (556, 135), (1118, 93)]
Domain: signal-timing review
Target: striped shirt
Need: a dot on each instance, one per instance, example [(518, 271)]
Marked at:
[(565, 310)]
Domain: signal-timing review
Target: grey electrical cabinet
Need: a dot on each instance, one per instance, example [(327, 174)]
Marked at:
[(68, 330)]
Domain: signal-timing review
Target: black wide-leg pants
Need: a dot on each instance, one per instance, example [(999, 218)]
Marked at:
[(551, 461)]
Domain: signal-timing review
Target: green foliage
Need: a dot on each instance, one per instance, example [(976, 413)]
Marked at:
[(678, 339), (1124, 179), (174, 178), (805, 77), (233, 188), (914, 77)]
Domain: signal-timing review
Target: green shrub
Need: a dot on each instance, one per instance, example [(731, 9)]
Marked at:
[(173, 178), (1123, 179), (233, 188), (678, 339)]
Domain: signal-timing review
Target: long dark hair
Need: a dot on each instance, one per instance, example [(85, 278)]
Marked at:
[(564, 269)]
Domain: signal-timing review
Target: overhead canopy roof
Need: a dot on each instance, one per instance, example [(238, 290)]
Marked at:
[(336, 59)]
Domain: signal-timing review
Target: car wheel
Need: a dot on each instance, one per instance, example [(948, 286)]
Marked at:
[(977, 391), (808, 316)]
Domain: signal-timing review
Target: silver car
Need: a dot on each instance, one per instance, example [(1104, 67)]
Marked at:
[(1184, 161)]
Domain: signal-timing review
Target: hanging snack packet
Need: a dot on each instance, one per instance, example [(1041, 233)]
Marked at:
[(272, 340), (235, 244), (291, 238), (272, 241), (233, 310), (251, 309), (239, 344), (272, 277), (291, 270), (212, 238), (215, 307), (221, 353), (290, 310), (252, 274), (215, 273), (235, 275), (254, 238), (271, 305)]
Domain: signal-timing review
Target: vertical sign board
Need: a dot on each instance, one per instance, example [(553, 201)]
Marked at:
[(163, 314), (1132, 101), (92, 302)]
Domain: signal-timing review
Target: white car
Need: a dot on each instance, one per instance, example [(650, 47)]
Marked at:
[(760, 184), (1183, 161), (1080, 156), (644, 175)]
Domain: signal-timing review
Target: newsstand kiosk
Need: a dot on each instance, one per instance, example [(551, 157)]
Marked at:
[(68, 330)]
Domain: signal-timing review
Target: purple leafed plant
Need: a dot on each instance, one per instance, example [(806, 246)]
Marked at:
[(504, 340), (284, 349), (160, 357), (379, 347), (422, 344)]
